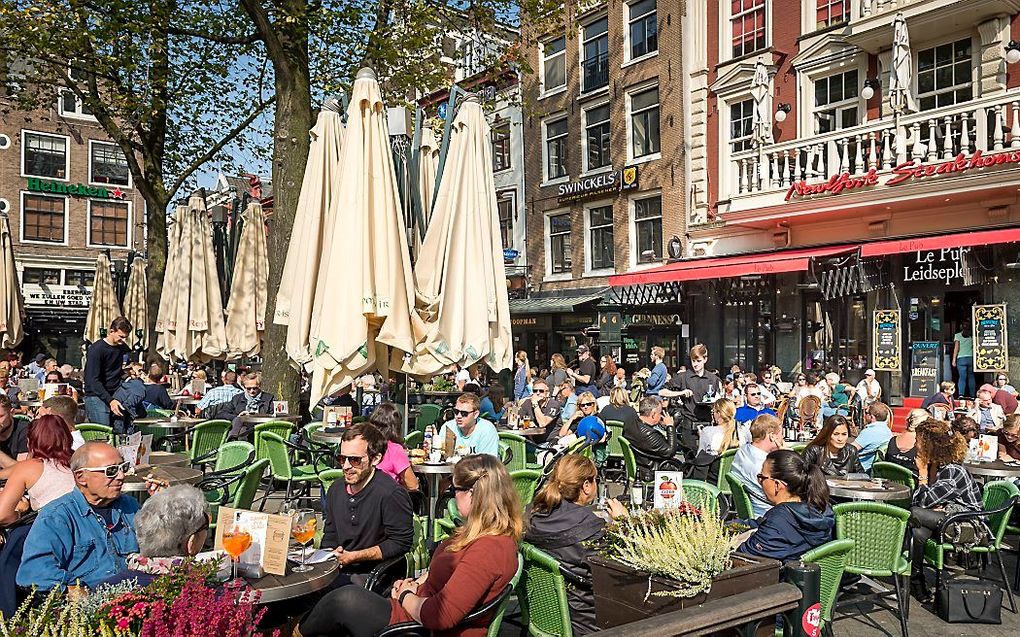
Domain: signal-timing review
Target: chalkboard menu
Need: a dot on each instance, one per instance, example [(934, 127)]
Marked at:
[(991, 353), (924, 368), (885, 350)]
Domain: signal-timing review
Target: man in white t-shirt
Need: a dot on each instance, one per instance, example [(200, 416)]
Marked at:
[(868, 389)]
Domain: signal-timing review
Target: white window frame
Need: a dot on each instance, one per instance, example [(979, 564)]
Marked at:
[(21, 218), (547, 229), (586, 215), (507, 194), (810, 8), (640, 88), (729, 121), (588, 21), (92, 182), (88, 224), (627, 59), (75, 114), (809, 90), (546, 180), (632, 228), (725, 189), (726, 34), (543, 91), (67, 154), (975, 66), (806, 89), (585, 169)]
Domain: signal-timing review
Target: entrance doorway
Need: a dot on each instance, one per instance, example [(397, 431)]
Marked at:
[(936, 315)]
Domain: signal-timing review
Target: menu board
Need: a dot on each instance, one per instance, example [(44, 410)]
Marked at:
[(270, 537), (924, 368), (885, 351), (991, 352)]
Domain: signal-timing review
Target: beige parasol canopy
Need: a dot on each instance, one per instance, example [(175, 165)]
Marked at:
[(104, 306), (136, 306), (246, 308), (312, 224), (428, 163), (459, 276), (165, 317), (12, 305), (365, 258)]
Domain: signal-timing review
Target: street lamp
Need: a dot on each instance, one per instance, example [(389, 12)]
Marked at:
[(1013, 52), (870, 86), (782, 111)]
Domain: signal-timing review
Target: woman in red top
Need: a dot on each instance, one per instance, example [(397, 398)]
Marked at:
[(467, 571)]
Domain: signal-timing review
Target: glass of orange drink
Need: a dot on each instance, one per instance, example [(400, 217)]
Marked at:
[(236, 541), (302, 529)]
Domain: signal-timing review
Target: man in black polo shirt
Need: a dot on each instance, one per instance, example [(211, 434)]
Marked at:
[(692, 386), (368, 515), (104, 364), (13, 435)]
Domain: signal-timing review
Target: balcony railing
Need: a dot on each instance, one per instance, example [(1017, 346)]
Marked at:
[(595, 72), (989, 125)]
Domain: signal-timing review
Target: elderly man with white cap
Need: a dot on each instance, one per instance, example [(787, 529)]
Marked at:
[(868, 390)]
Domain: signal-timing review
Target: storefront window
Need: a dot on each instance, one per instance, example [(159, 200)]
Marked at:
[(836, 335), (41, 276)]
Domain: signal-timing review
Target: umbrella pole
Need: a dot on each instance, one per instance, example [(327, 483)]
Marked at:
[(455, 92), (417, 209)]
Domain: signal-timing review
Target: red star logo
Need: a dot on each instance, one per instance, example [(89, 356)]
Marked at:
[(117, 193)]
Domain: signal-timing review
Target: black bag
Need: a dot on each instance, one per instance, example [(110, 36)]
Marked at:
[(969, 602)]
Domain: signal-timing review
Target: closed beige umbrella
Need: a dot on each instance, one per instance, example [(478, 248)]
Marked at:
[(246, 308), (12, 305), (459, 277), (364, 290), (136, 306), (428, 164), (104, 306), (166, 319), (312, 224)]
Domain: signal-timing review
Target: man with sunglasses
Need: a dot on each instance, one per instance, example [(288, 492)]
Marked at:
[(753, 405), (470, 435), (541, 408), (251, 401), (86, 535)]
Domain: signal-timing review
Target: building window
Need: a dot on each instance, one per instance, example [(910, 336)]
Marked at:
[(71, 106), (505, 208), (554, 70), (556, 149), (44, 156), (559, 243), (747, 18), (600, 237), (648, 229), (944, 75), (597, 135), (644, 28), (501, 145), (80, 278), (42, 218), (595, 65), (741, 125), (41, 276), (644, 122), (836, 102), (108, 165), (830, 12), (108, 223)]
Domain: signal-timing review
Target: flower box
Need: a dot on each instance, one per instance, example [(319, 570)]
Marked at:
[(622, 593)]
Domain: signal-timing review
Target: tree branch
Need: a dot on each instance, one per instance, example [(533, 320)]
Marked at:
[(212, 37), (264, 27)]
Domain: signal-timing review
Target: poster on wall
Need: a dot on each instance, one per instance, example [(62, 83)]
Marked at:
[(885, 351), (991, 352), (924, 368)]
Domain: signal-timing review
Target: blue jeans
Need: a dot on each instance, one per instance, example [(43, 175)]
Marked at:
[(968, 384), (97, 411)]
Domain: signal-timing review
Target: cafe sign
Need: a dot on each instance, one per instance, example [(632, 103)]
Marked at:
[(598, 185), (57, 296), (924, 368), (34, 184), (885, 345), (991, 352), (945, 265)]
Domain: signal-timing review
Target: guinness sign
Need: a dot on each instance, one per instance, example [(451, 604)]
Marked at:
[(598, 185)]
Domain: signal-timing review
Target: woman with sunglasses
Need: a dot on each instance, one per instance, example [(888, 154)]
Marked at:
[(800, 518), (830, 452), (45, 475), (467, 571), (586, 406)]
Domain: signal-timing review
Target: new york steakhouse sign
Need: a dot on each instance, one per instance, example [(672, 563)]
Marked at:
[(902, 173)]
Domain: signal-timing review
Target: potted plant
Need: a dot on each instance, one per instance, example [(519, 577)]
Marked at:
[(663, 561)]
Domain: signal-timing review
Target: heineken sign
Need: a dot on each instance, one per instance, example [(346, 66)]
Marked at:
[(35, 184)]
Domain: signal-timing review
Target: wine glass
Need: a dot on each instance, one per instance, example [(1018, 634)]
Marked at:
[(236, 541), (302, 529)]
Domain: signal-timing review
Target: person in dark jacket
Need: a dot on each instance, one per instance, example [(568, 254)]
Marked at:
[(648, 443), (252, 401), (830, 451), (104, 360), (607, 375), (156, 395), (560, 522), (800, 518), (131, 396), (619, 409)]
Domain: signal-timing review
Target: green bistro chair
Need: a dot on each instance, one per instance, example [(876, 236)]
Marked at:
[(414, 440), (206, 440), (725, 462), (525, 482), (428, 414), (159, 413), (233, 459), (878, 531), (741, 500), (281, 428), (311, 428), (629, 464), (236, 490), (615, 428), (91, 431), (542, 594), (517, 445), (799, 447), (328, 477), (833, 558), (702, 495), (895, 473), (277, 451)]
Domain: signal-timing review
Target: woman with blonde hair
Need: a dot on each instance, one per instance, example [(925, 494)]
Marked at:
[(586, 406), (724, 433), (467, 570), (619, 408), (902, 449), (561, 521)]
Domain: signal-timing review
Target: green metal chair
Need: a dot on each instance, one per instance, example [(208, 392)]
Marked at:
[(206, 440), (91, 431), (615, 428), (702, 495), (739, 496), (328, 477), (877, 531), (525, 482), (428, 414), (542, 594), (233, 459), (895, 473), (999, 498), (281, 428), (23, 417), (236, 491), (281, 469), (833, 558), (311, 428), (725, 462), (414, 440), (799, 447), (629, 463), (517, 446)]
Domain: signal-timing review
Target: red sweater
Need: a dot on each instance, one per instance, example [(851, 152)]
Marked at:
[(461, 582)]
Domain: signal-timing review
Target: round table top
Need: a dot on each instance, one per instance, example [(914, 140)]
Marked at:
[(166, 423), (31, 403), (166, 459), (185, 400), (442, 468), (996, 469), (261, 418), (277, 588), (174, 475), (530, 431), (867, 489), (328, 438)]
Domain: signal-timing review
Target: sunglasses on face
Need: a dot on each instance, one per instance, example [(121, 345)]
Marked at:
[(454, 489), (757, 393), (462, 413), (110, 471), (585, 404), (762, 478), (540, 391), (355, 461)]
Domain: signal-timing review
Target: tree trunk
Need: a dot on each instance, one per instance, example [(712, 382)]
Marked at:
[(156, 248)]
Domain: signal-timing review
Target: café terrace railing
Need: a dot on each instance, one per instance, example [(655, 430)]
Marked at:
[(988, 125)]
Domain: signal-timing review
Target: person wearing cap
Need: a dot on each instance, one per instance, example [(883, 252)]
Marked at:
[(868, 390), (585, 373)]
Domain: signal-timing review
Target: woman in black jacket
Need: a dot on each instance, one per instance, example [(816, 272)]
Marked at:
[(560, 522), (607, 375), (830, 451)]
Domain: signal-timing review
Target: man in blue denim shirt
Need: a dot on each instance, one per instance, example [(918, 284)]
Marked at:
[(84, 536)]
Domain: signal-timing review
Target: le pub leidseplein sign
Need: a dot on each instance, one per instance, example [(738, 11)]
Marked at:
[(902, 173)]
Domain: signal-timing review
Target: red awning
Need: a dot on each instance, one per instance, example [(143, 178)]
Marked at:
[(959, 240), (723, 267)]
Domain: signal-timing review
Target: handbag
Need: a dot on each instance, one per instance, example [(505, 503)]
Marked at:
[(969, 602)]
